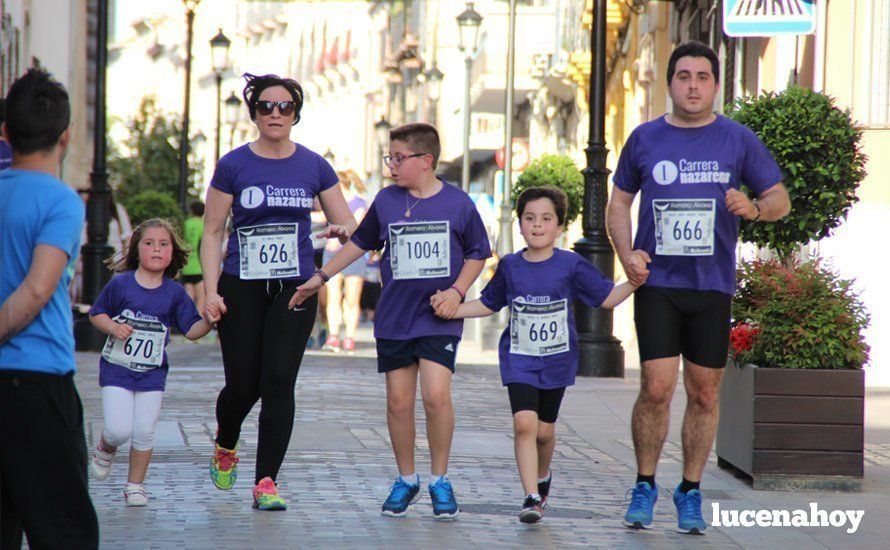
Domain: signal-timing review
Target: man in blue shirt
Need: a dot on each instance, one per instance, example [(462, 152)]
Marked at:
[(43, 458), (688, 166)]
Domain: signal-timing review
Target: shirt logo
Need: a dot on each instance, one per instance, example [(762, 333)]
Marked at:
[(252, 197), (665, 172)]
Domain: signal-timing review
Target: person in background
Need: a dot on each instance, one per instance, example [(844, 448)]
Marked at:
[(345, 288), (191, 273)]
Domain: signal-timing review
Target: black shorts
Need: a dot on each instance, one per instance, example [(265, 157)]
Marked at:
[(691, 323), (318, 258), (524, 397), (192, 279), (397, 354)]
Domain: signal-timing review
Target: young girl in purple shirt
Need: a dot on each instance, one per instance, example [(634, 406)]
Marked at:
[(136, 309)]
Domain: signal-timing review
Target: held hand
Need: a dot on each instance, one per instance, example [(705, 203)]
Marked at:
[(740, 205), (304, 291), (214, 307), (122, 331), (212, 319), (334, 231), (635, 266), (446, 302)]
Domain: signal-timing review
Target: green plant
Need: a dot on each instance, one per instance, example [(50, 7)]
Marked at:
[(154, 204), (798, 316), (559, 171), (817, 146), (152, 162)]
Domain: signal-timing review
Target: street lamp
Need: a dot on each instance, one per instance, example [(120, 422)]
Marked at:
[(600, 353), (381, 131), (434, 90), (96, 249), (190, 7), (219, 54), (233, 112), (468, 22)]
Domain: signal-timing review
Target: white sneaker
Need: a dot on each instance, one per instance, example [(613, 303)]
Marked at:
[(100, 465), (135, 495)]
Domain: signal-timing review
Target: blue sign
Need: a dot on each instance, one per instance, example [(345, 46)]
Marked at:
[(768, 17)]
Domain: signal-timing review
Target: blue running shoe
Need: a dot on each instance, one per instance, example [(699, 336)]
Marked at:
[(689, 517), (400, 497), (442, 495), (642, 501)]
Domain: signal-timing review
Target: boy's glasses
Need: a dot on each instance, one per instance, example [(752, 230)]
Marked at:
[(265, 108), (397, 160)]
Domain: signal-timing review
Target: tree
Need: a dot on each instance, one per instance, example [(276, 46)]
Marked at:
[(818, 147), (151, 162), (559, 171)]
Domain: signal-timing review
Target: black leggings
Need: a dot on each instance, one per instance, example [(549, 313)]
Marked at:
[(262, 346)]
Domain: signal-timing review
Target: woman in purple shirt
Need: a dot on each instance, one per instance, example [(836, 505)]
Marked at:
[(268, 186)]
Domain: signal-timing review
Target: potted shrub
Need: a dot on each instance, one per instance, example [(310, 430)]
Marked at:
[(799, 412), (792, 399)]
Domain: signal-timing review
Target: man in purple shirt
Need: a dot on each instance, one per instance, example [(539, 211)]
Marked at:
[(436, 246), (688, 166)]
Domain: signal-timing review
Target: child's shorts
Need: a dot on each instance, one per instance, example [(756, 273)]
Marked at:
[(524, 397), (397, 354)]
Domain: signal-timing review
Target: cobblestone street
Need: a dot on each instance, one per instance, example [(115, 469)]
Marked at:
[(339, 468)]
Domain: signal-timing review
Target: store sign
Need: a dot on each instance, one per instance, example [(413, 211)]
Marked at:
[(769, 17)]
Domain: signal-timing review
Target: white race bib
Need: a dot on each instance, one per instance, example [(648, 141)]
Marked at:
[(269, 251), (142, 351), (420, 250), (684, 227), (539, 329)]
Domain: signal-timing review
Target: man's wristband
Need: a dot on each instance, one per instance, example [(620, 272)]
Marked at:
[(759, 211), (460, 292), (322, 275)]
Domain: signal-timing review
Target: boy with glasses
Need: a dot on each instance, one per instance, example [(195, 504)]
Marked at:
[(435, 247)]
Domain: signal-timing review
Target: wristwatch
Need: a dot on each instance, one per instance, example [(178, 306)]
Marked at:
[(759, 211)]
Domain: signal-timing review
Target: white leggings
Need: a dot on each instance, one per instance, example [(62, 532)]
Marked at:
[(130, 415)]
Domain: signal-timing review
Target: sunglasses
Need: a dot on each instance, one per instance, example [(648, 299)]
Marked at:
[(285, 108)]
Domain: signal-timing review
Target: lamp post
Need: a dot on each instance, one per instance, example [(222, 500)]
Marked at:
[(233, 110), (381, 131), (219, 54), (96, 249), (190, 7), (468, 22), (600, 353), (434, 91)]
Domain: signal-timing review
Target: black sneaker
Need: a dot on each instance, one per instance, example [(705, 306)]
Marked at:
[(532, 510), (544, 489)]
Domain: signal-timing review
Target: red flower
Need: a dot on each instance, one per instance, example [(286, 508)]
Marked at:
[(741, 338)]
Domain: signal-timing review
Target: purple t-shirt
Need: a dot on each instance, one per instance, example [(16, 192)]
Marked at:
[(540, 345), (168, 304), (424, 253), (684, 174), (277, 195), (5, 155)]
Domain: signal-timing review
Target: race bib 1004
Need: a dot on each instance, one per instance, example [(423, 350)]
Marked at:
[(142, 351), (269, 251), (420, 250), (539, 329), (684, 227)]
